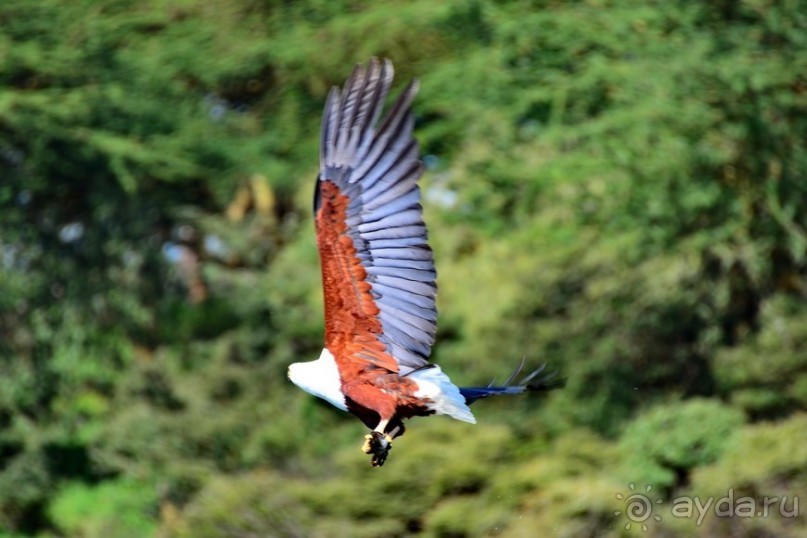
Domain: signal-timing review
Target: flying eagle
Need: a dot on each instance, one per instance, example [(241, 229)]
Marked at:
[(378, 273)]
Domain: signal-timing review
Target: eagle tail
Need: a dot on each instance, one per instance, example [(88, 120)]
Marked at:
[(537, 381)]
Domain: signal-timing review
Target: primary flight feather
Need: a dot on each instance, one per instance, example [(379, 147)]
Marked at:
[(378, 275)]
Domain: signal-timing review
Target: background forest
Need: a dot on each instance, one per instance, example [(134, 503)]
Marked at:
[(616, 188)]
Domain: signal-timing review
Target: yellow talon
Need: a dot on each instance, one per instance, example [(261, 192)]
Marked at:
[(378, 445), (367, 447)]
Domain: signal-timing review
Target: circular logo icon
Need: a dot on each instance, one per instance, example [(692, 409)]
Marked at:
[(638, 507)]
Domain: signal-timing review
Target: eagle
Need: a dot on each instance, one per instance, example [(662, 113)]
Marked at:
[(378, 274)]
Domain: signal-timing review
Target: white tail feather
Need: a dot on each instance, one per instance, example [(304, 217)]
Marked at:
[(445, 396)]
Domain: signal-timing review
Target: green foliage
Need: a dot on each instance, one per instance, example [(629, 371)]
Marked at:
[(246, 505), (120, 508), (779, 455), (616, 188), (779, 471), (665, 443), (766, 375)]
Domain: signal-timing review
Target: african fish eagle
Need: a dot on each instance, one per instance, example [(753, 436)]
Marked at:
[(378, 273)]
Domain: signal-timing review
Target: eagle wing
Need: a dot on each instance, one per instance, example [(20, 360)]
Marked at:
[(377, 267)]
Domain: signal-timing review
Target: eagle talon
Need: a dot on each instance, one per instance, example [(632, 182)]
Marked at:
[(379, 445), (367, 447)]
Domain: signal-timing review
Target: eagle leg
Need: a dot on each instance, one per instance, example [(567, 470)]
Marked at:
[(378, 443)]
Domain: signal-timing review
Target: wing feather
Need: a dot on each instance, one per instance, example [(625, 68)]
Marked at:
[(415, 231), (424, 265), (378, 271), (409, 274), (408, 217)]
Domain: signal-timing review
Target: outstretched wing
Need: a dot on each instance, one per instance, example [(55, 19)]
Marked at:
[(377, 268)]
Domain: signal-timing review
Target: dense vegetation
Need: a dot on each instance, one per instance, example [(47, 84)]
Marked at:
[(617, 188)]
